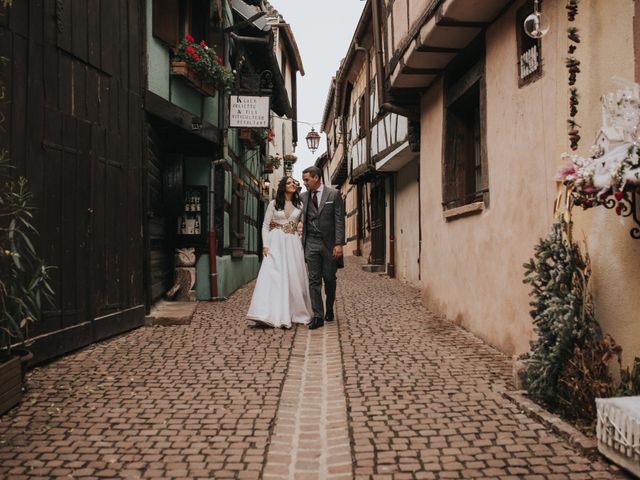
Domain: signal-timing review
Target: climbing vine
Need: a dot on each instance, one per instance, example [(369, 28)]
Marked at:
[(573, 67)]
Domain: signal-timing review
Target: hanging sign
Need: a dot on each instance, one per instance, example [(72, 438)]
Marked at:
[(249, 111), (529, 63)]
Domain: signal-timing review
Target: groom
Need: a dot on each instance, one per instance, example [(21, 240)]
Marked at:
[(322, 240)]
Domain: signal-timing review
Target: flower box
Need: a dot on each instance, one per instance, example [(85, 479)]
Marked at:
[(180, 68), (618, 431), (10, 383)]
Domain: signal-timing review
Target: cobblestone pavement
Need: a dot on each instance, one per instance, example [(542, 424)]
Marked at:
[(389, 391), (424, 396)]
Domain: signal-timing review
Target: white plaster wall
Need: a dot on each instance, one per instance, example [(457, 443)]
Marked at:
[(407, 244), (472, 267)]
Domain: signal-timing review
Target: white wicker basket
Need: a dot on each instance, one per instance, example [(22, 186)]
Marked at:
[(618, 431)]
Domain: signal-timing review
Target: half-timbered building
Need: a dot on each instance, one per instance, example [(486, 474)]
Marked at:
[(491, 105)]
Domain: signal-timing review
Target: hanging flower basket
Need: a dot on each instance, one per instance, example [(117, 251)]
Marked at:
[(180, 68), (610, 175), (268, 168)]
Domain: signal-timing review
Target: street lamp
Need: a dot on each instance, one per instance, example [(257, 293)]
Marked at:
[(313, 140)]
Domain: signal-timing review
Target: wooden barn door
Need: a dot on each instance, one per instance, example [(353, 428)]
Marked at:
[(73, 109)]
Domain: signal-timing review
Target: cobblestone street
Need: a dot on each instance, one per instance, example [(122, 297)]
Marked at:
[(387, 391)]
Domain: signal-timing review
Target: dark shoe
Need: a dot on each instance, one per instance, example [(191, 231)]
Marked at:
[(317, 322), (329, 316)]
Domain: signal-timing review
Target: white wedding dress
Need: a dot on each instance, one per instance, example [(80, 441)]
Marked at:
[(281, 296)]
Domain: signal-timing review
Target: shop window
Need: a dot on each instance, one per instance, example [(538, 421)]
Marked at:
[(464, 163), (529, 49)]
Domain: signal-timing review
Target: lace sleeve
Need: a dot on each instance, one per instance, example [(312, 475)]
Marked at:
[(268, 216)]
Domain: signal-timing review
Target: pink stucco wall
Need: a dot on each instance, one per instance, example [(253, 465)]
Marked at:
[(472, 266)]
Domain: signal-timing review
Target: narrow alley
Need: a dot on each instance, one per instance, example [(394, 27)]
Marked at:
[(387, 391)]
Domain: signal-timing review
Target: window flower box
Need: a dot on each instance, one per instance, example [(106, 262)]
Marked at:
[(180, 68), (201, 67)]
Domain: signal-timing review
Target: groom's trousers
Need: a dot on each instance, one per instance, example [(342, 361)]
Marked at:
[(321, 266)]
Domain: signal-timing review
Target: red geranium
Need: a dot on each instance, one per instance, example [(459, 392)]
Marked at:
[(195, 57), (619, 196), (190, 51), (219, 59), (203, 44), (189, 38)]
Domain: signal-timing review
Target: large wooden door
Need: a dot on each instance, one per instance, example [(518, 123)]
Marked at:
[(73, 109), (378, 220)]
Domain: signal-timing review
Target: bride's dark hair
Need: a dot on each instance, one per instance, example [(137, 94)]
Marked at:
[(295, 198)]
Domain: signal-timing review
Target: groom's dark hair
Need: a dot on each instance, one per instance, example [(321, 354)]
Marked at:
[(313, 171)]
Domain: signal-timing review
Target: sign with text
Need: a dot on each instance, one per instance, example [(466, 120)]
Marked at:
[(249, 111)]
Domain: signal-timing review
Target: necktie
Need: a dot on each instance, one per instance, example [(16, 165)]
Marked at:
[(314, 199)]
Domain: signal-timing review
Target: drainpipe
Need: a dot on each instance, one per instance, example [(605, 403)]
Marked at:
[(213, 267), (377, 40)]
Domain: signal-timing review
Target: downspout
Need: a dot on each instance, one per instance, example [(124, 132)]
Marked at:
[(213, 264), (377, 40), (213, 267)]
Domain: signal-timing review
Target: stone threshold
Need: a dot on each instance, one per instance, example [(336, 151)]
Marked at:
[(171, 313)]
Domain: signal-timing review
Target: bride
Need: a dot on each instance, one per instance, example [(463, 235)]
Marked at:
[(281, 296)]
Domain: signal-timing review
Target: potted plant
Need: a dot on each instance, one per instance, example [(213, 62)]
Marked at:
[(24, 281), (201, 67), (272, 164)]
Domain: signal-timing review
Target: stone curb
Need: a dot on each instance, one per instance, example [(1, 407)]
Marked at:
[(587, 446)]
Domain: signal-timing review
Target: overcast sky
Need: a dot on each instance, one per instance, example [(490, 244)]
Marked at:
[(323, 31)]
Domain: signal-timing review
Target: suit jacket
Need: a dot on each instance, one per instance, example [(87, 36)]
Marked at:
[(330, 218)]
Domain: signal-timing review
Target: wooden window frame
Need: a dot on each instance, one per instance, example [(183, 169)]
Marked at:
[(457, 90), (173, 19), (524, 41), (166, 21)]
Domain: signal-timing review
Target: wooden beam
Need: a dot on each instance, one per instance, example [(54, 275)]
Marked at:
[(407, 70), (175, 115), (422, 48), (443, 21)]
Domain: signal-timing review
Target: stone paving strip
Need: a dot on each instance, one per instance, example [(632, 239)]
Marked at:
[(311, 437)]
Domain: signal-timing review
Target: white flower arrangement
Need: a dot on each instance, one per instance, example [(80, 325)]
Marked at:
[(613, 168)]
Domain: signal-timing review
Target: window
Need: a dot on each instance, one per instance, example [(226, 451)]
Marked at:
[(166, 15), (529, 49), (464, 162), (361, 117), (173, 19)]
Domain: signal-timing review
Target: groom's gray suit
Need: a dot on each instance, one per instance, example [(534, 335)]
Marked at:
[(323, 229)]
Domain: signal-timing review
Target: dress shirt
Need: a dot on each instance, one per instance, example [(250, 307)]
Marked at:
[(318, 195)]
